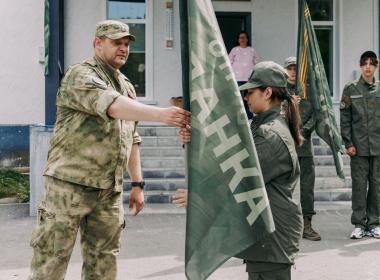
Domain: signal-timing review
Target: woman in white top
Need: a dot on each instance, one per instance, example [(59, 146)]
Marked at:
[(243, 57)]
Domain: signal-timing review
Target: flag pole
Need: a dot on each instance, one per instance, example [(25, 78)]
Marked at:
[(184, 27), (185, 64)]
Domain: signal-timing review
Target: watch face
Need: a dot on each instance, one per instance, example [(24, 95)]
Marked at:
[(138, 184)]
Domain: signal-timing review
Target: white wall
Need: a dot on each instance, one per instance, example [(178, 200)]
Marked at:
[(274, 28), (167, 74), (80, 21), (22, 82), (358, 33)]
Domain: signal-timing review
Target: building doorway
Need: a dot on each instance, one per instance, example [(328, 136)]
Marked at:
[(230, 24)]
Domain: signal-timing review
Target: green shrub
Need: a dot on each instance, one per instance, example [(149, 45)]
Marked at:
[(14, 184)]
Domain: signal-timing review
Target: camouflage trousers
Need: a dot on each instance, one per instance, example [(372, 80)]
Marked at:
[(67, 208)]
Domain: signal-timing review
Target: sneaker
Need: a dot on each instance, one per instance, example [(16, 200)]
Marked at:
[(374, 232), (357, 233)]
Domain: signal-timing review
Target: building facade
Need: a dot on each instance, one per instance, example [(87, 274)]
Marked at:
[(345, 28)]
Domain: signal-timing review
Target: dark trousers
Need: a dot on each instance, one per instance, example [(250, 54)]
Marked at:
[(242, 93), (365, 174), (307, 181), (271, 271)]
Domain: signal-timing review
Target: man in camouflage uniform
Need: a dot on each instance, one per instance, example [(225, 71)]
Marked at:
[(95, 141), (360, 129), (304, 152)]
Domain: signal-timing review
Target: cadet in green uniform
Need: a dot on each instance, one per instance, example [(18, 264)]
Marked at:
[(94, 142), (360, 129), (275, 138), (304, 152)]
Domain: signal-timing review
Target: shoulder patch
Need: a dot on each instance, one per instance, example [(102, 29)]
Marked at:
[(345, 102), (97, 82)]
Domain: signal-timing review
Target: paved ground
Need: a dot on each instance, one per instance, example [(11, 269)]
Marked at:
[(154, 248)]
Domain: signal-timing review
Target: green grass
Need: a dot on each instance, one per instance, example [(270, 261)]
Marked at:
[(14, 184)]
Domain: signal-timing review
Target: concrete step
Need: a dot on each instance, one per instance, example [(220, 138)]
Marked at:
[(161, 141), (162, 173), (170, 184), (322, 150), (329, 160), (168, 162), (153, 196), (344, 194), (329, 171), (332, 183), (157, 131), (318, 141), (174, 151)]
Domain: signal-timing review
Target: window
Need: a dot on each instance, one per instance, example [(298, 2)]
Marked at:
[(322, 15), (321, 10), (134, 13)]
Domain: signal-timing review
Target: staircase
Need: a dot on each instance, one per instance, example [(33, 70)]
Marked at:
[(163, 165), (328, 186)]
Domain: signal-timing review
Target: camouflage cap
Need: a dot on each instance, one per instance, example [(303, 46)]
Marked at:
[(290, 61), (113, 30), (266, 74)]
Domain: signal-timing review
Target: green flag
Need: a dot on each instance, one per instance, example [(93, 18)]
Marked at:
[(47, 35), (228, 209), (312, 82)]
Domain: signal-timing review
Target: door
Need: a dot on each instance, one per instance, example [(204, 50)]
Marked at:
[(230, 24)]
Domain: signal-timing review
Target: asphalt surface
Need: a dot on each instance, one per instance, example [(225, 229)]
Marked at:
[(153, 248)]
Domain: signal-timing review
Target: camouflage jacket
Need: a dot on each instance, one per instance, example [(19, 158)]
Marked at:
[(89, 147), (360, 117), (307, 124), (280, 167)]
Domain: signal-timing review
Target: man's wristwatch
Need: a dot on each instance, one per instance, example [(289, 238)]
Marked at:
[(140, 184)]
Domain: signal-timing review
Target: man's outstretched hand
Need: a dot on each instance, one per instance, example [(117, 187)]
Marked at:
[(175, 116)]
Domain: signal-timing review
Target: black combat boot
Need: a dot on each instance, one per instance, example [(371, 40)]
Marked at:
[(308, 232)]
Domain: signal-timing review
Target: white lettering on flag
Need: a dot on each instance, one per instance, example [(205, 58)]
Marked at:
[(256, 209), (240, 172), (216, 48), (206, 106), (225, 143), (230, 75)]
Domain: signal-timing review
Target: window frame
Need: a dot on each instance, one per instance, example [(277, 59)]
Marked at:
[(148, 21), (332, 25)]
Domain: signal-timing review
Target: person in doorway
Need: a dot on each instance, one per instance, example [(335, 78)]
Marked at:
[(243, 58), (276, 138), (305, 152), (94, 142), (360, 129)]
